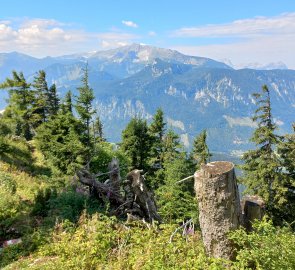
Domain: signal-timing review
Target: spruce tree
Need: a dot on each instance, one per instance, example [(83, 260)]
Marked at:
[(98, 130), (20, 103), (157, 132), (262, 170), (61, 141), (67, 105), (136, 143), (84, 105), (53, 101), (200, 153), (40, 106), (286, 151)]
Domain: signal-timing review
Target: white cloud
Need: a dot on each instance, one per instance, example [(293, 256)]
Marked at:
[(41, 37), (130, 24), (282, 24), (260, 39), (152, 33)]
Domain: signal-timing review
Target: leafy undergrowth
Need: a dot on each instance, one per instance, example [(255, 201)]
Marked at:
[(63, 229)]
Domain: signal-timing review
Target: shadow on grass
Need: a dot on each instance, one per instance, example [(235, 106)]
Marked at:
[(36, 221)]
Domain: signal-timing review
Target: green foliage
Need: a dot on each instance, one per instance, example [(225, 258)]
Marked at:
[(41, 204), (136, 143), (267, 247), (40, 105), (84, 106), (61, 141), (100, 242), (4, 146), (17, 152), (20, 104), (53, 101), (200, 152), (176, 200), (67, 104), (104, 153), (262, 167)]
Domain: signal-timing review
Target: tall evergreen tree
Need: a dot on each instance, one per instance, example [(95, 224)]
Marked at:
[(136, 143), (61, 141), (262, 168), (67, 104), (53, 101), (84, 105), (200, 152), (286, 151), (40, 106), (20, 102), (157, 132), (98, 129)]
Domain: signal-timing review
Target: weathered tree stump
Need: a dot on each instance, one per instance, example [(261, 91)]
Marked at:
[(252, 208), (219, 206), (142, 196)]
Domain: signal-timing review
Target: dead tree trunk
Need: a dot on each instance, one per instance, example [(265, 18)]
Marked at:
[(142, 196), (252, 208), (115, 178), (103, 189), (219, 206)]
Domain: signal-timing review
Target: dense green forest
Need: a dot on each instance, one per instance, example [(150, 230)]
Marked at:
[(46, 139)]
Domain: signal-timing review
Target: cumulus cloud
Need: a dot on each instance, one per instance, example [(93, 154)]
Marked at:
[(42, 37), (130, 24)]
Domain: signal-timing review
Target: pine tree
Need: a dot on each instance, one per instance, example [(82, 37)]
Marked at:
[(286, 150), (84, 104), (136, 143), (98, 130), (287, 153), (40, 106), (176, 200), (262, 167), (53, 101), (67, 105), (19, 104), (200, 153), (157, 132), (61, 141)]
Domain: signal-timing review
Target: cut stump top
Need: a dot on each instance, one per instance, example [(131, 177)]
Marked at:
[(217, 167)]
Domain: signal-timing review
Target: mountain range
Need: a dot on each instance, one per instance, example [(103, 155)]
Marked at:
[(195, 93)]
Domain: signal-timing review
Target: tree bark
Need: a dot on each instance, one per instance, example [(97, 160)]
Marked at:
[(143, 196), (252, 208), (219, 206)]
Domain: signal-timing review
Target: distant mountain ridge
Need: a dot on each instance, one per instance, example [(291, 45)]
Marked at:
[(195, 93)]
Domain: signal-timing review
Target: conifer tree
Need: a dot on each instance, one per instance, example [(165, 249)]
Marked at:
[(61, 141), (286, 151), (157, 132), (84, 105), (67, 105), (200, 152), (136, 143), (53, 101), (262, 167), (20, 102), (98, 129), (40, 106)]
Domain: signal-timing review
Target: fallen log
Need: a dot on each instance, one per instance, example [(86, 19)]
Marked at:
[(102, 189)]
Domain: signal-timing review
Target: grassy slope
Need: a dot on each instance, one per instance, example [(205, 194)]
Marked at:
[(67, 230)]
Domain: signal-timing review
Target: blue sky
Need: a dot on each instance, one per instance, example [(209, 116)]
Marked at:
[(243, 32)]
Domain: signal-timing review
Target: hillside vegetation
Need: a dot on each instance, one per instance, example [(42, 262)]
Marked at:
[(62, 224)]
